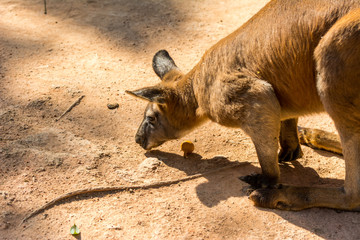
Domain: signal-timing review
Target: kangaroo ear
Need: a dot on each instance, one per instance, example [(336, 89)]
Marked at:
[(151, 94), (163, 63)]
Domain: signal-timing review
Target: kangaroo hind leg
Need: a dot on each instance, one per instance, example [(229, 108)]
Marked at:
[(338, 57), (338, 66)]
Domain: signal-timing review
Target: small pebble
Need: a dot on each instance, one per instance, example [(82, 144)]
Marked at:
[(113, 105)]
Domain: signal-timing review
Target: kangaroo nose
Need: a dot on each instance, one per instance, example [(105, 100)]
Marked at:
[(138, 139)]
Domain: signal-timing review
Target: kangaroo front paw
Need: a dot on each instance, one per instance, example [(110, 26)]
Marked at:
[(259, 181), (287, 155)]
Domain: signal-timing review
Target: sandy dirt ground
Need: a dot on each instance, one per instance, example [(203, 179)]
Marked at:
[(99, 49)]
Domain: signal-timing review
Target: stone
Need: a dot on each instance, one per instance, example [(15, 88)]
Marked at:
[(149, 164)]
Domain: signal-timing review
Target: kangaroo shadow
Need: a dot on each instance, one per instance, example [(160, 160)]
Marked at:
[(325, 153), (220, 185), (295, 173), (225, 184)]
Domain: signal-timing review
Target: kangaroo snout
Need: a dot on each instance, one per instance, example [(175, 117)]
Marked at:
[(139, 139)]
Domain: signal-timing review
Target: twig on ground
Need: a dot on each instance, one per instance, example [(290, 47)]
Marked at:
[(71, 107), (125, 188), (45, 9)]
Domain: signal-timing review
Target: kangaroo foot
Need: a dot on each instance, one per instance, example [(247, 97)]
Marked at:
[(298, 198), (271, 198), (287, 155)]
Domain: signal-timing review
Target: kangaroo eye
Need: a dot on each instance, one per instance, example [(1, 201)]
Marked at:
[(150, 118)]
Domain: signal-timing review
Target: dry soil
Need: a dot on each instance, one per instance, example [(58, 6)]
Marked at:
[(100, 48)]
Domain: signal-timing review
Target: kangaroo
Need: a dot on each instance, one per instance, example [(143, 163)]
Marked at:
[(292, 58)]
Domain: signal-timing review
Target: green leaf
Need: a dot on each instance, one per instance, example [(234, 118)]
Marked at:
[(74, 230)]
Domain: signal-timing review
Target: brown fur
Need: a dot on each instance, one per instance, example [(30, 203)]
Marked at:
[(292, 58)]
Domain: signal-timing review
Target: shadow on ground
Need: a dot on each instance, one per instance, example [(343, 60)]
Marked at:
[(225, 184), (221, 185), (128, 23)]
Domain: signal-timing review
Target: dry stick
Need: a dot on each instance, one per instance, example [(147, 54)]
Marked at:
[(124, 188), (71, 107), (45, 10)]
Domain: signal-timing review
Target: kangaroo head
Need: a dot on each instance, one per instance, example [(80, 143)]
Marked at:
[(170, 112)]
